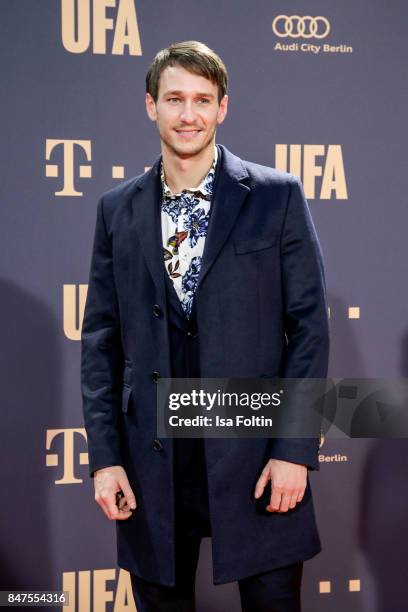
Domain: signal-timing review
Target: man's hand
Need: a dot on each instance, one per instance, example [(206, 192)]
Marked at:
[(108, 482), (288, 484)]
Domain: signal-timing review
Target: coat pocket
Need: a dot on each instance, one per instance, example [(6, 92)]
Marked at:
[(126, 393), (127, 373), (255, 244), (126, 388)]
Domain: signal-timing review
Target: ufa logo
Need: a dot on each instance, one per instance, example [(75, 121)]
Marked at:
[(301, 161), (295, 26), (98, 590), (77, 26), (74, 300)]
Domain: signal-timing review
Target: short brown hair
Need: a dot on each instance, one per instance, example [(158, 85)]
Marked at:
[(193, 56)]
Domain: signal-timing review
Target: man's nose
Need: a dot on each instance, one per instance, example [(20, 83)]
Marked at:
[(188, 113)]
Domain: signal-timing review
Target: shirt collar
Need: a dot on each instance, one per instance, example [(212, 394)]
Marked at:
[(205, 187)]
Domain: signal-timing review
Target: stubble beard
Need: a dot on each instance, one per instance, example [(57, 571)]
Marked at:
[(185, 151)]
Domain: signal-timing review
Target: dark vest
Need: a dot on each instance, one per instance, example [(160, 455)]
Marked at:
[(183, 335)]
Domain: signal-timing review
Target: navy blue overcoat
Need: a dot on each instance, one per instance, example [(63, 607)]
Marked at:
[(261, 311)]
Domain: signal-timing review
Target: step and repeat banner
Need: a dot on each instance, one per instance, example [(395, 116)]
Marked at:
[(317, 88)]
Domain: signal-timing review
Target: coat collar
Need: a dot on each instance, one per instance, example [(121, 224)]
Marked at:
[(228, 196)]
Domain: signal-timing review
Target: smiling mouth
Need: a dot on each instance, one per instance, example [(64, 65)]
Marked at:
[(187, 131), (187, 134)]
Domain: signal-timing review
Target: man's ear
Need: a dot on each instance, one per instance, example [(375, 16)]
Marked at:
[(222, 111), (150, 107)]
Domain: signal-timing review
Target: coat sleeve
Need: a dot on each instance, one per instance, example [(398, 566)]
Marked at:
[(101, 354), (305, 314)]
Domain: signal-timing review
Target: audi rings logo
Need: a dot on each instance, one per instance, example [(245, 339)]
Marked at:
[(295, 26)]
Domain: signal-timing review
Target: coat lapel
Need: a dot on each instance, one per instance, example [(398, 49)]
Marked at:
[(147, 223), (228, 197)]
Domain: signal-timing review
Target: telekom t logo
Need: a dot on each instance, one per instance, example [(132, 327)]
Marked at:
[(67, 438), (68, 148)]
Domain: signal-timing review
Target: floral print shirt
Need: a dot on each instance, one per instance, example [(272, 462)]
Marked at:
[(184, 220)]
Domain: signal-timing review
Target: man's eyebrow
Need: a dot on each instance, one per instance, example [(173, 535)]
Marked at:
[(178, 92)]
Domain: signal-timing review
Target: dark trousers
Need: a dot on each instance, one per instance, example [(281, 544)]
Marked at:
[(274, 591)]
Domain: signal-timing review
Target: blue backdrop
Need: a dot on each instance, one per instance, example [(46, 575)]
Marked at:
[(323, 94)]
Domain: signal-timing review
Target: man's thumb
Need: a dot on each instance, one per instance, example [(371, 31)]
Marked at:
[(128, 493)]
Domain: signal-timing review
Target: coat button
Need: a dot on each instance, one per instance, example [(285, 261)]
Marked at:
[(157, 311), (155, 375), (157, 445)]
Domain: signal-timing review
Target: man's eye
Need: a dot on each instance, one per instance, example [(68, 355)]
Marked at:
[(206, 100), (171, 99)]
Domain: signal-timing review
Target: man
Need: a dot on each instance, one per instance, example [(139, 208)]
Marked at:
[(205, 266)]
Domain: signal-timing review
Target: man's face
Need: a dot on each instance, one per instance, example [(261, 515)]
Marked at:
[(187, 111)]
